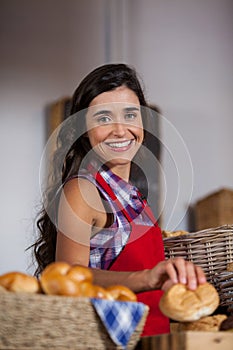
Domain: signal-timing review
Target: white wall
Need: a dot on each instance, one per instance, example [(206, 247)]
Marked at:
[(183, 51), (46, 49)]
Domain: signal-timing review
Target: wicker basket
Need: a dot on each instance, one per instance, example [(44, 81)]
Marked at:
[(224, 285), (214, 210), (39, 322), (212, 249)]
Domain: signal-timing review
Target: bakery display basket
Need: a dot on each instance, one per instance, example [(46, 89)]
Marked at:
[(38, 321), (212, 249), (224, 285)]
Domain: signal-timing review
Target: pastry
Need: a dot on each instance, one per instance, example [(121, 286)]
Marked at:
[(182, 304)]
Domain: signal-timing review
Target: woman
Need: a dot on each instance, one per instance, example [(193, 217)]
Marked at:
[(99, 218)]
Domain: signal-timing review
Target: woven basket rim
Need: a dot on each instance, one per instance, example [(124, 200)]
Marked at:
[(59, 298), (201, 233), (211, 249)]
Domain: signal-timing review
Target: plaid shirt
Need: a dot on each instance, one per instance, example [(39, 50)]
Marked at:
[(107, 244)]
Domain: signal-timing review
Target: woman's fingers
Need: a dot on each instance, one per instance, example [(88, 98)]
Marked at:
[(191, 276), (176, 269), (185, 272), (167, 285), (173, 271), (200, 275)]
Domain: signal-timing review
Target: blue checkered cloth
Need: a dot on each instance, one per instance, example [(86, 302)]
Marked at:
[(119, 318)]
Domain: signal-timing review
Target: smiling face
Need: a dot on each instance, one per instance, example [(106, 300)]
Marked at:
[(114, 125)]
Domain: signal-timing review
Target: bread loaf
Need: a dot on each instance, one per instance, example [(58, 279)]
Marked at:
[(61, 278), (121, 293), (230, 267), (205, 324), (181, 304), (167, 234), (19, 282)]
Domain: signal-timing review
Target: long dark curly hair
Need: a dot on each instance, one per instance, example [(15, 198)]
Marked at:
[(66, 163)]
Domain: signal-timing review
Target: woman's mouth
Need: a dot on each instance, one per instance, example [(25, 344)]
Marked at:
[(120, 146)]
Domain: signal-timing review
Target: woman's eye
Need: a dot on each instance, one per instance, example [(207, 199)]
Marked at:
[(104, 119), (130, 116)]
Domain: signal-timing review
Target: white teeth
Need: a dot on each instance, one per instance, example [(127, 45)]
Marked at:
[(119, 144)]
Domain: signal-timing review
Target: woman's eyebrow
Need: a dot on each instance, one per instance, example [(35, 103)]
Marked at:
[(106, 111), (101, 112), (131, 109)]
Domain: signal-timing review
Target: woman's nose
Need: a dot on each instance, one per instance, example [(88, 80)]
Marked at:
[(119, 129)]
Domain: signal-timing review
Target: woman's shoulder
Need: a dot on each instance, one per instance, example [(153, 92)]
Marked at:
[(83, 197), (80, 186), (83, 179)]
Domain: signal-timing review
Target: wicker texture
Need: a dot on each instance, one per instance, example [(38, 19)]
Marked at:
[(224, 285), (212, 249), (39, 322)]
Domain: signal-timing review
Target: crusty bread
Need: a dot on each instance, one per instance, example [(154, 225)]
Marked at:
[(61, 278), (19, 282), (121, 293), (59, 285), (230, 267), (205, 324), (80, 274), (181, 304), (167, 234)]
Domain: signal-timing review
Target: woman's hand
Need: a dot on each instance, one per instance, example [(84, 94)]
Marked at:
[(176, 270)]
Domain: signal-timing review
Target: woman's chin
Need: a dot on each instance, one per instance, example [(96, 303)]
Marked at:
[(118, 162)]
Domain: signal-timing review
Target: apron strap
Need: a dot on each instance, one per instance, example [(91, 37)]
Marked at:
[(148, 210), (112, 195)]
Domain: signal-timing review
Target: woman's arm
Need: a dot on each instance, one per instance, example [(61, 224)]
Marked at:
[(76, 216), (70, 251), (162, 276)]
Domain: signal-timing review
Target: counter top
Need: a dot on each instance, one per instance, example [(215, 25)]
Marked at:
[(188, 341)]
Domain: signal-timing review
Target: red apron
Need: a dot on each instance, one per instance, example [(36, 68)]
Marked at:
[(143, 250)]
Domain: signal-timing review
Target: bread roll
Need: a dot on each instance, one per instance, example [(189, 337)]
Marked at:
[(80, 274), (181, 304), (88, 290), (121, 293), (205, 324), (56, 268), (19, 282), (102, 293), (167, 234), (59, 285), (60, 278), (230, 267)]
